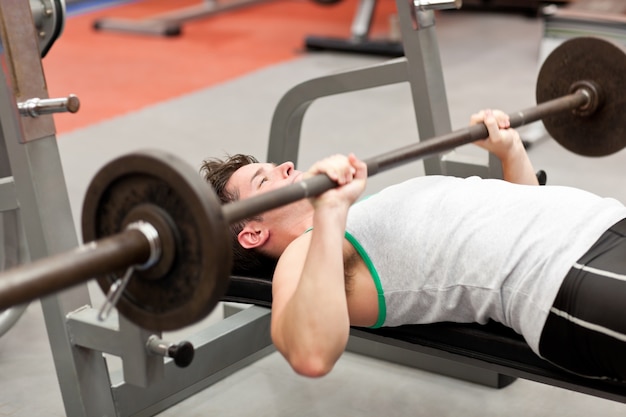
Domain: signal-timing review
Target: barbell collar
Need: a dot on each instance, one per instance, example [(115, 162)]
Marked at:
[(152, 236), (45, 276), (314, 186)]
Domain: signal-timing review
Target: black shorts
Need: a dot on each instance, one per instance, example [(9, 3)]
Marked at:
[(585, 332)]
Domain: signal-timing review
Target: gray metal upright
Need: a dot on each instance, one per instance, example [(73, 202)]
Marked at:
[(30, 147), (424, 74)]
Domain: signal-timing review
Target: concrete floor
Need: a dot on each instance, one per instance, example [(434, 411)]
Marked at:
[(489, 60)]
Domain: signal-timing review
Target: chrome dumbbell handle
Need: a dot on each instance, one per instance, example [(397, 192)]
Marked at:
[(36, 107)]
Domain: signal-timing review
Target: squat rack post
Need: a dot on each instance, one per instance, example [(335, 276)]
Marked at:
[(30, 148)]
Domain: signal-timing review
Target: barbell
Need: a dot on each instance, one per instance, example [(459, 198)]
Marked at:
[(158, 236)]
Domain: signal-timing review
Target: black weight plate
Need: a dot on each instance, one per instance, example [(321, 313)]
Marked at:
[(167, 191), (593, 60)]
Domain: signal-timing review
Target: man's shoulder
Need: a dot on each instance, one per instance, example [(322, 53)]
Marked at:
[(294, 254)]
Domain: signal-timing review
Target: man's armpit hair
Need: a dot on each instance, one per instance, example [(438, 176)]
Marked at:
[(350, 260)]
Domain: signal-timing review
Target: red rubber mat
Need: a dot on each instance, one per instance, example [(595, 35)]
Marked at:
[(116, 73)]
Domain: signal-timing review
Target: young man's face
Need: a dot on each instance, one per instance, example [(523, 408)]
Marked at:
[(276, 228), (257, 178)]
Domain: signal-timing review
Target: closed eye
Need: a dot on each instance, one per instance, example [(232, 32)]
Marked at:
[(260, 176)]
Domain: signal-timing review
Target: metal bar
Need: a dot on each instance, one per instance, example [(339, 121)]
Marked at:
[(51, 274), (473, 133), (363, 20), (425, 76), (243, 209), (221, 349), (34, 107), (284, 139), (169, 23), (377, 347), (87, 331), (8, 196)]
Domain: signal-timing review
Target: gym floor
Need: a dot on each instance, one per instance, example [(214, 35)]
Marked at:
[(213, 91)]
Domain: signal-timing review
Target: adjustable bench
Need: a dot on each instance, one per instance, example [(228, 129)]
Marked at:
[(491, 347)]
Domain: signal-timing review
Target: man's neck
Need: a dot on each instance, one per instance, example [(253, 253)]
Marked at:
[(280, 240)]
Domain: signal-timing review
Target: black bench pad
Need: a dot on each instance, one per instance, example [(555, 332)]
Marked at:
[(491, 346)]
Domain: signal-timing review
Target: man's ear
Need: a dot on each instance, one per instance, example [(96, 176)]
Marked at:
[(253, 235)]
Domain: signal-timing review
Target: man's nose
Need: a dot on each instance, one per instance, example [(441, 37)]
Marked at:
[(285, 169)]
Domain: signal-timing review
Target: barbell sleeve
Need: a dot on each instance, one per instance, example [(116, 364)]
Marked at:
[(247, 208), (57, 272)]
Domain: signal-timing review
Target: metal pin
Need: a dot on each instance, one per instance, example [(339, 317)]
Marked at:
[(113, 295)]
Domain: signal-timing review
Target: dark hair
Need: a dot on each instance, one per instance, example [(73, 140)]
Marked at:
[(217, 172)]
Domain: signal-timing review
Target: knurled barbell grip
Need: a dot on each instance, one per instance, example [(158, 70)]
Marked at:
[(244, 209), (51, 274)]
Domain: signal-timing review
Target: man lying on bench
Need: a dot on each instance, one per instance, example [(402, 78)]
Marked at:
[(547, 262)]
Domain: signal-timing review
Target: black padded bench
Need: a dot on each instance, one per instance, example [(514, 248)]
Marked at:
[(493, 346)]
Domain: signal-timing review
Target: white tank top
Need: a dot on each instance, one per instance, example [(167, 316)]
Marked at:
[(469, 250)]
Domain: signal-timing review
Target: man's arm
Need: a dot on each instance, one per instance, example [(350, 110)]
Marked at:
[(310, 321), (505, 143)]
